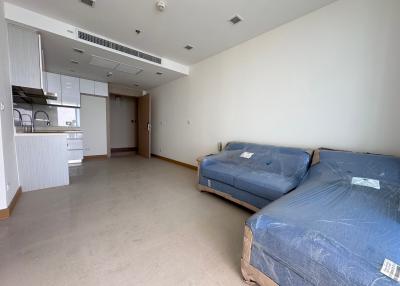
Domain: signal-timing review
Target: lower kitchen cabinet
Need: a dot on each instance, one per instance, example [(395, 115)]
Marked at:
[(42, 160), (75, 147)]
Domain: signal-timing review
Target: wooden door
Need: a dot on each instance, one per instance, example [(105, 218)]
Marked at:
[(144, 126)]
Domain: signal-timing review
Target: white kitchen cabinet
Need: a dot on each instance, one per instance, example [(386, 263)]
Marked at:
[(101, 88), (70, 90), (53, 85), (25, 57), (42, 160), (75, 157), (75, 147), (86, 86)]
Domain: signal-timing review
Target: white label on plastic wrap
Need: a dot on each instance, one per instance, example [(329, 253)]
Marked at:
[(366, 182), (391, 270), (246, 155), (209, 183)]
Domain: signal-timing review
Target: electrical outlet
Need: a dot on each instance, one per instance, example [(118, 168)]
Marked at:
[(219, 146)]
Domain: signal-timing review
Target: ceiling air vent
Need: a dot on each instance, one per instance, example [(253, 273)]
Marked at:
[(117, 47)]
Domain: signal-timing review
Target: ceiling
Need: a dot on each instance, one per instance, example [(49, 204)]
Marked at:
[(203, 24), (127, 71)]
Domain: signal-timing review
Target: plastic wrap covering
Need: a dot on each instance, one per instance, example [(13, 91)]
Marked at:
[(336, 228), (265, 171), (243, 196)]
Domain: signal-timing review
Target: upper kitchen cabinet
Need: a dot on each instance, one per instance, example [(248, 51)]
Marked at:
[(70, 90), (86, 86), (25, 57), (101, 88), (53, 85), (92, 87)]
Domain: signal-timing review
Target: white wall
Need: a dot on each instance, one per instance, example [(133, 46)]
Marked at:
[(8, 164), (330, 78), (122, 113), (94, 125)]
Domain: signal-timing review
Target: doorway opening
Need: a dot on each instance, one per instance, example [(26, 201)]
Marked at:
[(130, 125), (123, 124)]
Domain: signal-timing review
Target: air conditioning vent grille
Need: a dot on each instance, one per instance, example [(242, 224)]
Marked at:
[(106, 43)]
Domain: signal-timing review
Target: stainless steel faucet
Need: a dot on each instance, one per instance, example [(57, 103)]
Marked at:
[(30, 119), (19, 116), (36, 119)]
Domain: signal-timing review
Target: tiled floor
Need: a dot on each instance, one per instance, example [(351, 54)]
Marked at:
[(124, 221)]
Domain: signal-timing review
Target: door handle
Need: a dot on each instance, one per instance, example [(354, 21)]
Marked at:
[(148, 127)]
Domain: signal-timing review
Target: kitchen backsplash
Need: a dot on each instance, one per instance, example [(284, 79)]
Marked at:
[(58, 115)]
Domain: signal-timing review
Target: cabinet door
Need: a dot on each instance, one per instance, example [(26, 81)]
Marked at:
[(101, 88), (25, 57), (87, 86), (71, 95), (53, 81)]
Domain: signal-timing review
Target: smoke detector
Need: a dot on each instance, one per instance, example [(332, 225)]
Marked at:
[(161, 5)]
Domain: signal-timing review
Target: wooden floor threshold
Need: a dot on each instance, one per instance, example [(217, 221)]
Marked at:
[(175, 162), (6, 213), (96, 157)]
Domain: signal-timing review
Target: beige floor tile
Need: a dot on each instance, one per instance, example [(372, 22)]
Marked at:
[(124, 221)]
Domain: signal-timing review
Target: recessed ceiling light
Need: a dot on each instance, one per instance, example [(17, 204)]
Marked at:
[(236, 19), (159, 73), (188, 47), (74, 62), (79, 51), (89, 2)]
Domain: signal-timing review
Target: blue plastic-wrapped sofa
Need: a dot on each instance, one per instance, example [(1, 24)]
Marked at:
[(253, 175), (337, 228)]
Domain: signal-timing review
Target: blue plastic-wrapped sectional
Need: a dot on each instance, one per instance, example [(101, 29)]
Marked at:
[(253, 175), (339, 226)]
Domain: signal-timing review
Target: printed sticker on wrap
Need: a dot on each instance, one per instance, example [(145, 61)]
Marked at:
[(391, 270), (366, 182), (246, 155)]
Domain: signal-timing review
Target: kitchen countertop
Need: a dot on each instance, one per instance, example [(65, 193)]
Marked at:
[(42, 134), (50, 130), (57, 129)]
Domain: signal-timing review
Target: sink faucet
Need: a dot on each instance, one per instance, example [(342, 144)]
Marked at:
[(19, 116), (45, 113), (29, 117)]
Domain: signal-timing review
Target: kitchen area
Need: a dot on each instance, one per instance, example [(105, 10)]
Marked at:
[(47, 113), (72, 94)]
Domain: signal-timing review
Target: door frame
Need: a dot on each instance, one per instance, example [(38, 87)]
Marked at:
[(109, 119), (144, 126)]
